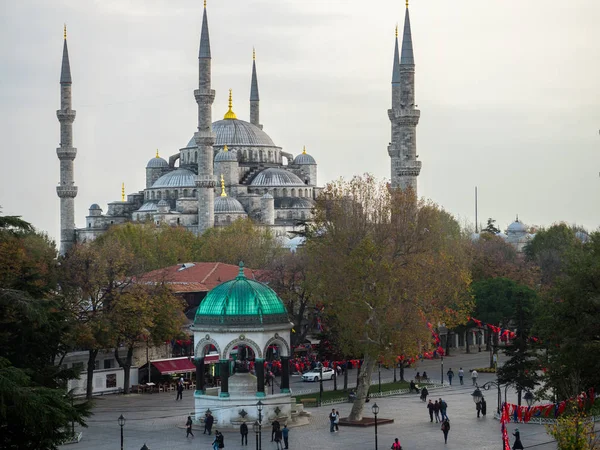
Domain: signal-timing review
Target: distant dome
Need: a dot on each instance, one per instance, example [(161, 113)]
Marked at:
[(228, 205), (474, 237), (157, 163), (517, 227), (276, 177), (293, 202), (226, 155), (176, 178), (95, 206), (241, 302), (235, 132), (581, 235), (304, 159)]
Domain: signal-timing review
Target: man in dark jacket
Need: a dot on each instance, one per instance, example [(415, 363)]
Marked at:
[(431, 410), (275, 428), (244, 432), (208, 423)]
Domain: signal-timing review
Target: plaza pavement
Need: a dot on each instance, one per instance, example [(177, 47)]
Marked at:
[(158, 420)]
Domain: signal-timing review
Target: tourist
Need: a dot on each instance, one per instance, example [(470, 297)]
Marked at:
[(215, 442), (436, 411), (221, 440), (285, 432), (179, 391), (445, 429), (483, 406), (461, 374), (443, 408), (274, 429), (450, 375), (424, 377), (336, 422), (396, 445), (188, 426), (278, 439), (418, 377), (431, 409), (474, 375), (478, 407), (424, 394), (332, 417), (413, 387), (517, 445), (208, 423), (244, 432)]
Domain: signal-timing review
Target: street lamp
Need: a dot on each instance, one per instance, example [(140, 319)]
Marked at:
[(529, 398), (121, 421), (256, 427), (259, 407), (477, 395), (375, 410)]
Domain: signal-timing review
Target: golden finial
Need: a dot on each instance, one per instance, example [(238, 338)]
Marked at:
[(396, 30), (253, 54), (407, 3), (225, 149), (230, 114), (304, 150), (157, 153), (204, 4), (65, 31), (122, 192), (223, 193)]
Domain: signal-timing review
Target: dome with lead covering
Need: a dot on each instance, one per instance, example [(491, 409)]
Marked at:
[(228, 205), (157, 163), (276, 177), (226, 155), (304, 159), (241, 302), (235, 132), (176, 178), (95, 206)]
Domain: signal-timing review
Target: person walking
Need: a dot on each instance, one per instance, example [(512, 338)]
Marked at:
[(445, 429), (215, 442), (244, 432), (518, 445), (221, 440), (179, 391), (443, 409), (474, 375), (436, 411), (461, 374), (424, 394), (396, 445), (278, 439), (431, 410), (208, 423), (188, 427), (478, 407), (275, 428), (336, 422), (332, 417), (285, 432), (483, 407), (450, 375)]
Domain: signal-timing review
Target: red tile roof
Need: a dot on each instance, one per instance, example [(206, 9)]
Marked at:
[(197, 276)]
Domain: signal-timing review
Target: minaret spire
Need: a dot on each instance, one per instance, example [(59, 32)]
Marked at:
[(404, 116), (396, 64), (254, 97), (66, 190), (204, 137)]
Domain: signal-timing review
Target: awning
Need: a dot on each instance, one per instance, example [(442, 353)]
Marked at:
[(176, 365)]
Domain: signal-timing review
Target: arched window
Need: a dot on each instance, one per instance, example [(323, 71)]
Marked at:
[(228, 219), (158, 195), (178, 219), (306, 194), (285, 192), (195, 194), (290, 215), (302, 215), (260, 155), (152, 194), (175, 194), (196, 156), (293, 192), (185, 192)]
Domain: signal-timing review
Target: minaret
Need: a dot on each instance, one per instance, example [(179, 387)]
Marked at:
[(66, 190), (254, 97), (204, 137), (404, 116)]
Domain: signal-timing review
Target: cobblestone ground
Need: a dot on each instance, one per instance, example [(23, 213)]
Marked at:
[(158, 420)]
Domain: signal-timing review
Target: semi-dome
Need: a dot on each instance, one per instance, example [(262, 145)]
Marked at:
[(304, 159), (163, 202), (157, 163), (148, 206), (241, 302), (176, 178), (293, 202), (276, 177), (235, 132), (228, 205), (226, 155)]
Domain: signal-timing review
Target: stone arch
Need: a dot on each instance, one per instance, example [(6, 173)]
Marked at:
[(206, 340), (284, 192), (152, 195), (293, 192), (242, 340), (282, 343)]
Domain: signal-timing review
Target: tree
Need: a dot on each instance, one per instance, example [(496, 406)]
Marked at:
[(574, 431), (382, 264), (14, 223), (491, 227)]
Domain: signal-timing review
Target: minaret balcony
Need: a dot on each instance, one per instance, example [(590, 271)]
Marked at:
[(66, 153), (408, 168), (66, 191), (205, 138), (66, 115), (205, 96)]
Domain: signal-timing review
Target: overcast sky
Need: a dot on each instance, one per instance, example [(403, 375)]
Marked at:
[(509, 95)]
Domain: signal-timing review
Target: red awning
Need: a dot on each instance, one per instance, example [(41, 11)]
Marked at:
[(177, 365)]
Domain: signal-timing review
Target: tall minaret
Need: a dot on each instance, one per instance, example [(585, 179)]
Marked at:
[(204, 137), (254, 97), (404, 115), (66, 190)]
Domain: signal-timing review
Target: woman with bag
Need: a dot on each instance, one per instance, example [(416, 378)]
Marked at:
[(445, 429)]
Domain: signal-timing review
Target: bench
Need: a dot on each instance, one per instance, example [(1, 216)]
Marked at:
[(311, 401)]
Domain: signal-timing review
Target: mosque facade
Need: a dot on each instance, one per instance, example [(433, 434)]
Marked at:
[(230, 168)]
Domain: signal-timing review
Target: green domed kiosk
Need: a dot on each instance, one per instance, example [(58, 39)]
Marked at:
[(239, 320)]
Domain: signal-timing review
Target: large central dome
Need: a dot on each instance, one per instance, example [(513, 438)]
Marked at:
[(235, 132)]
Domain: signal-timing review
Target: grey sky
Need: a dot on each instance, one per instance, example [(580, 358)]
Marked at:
[(508, 92)]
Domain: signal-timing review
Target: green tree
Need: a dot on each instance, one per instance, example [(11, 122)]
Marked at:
[(14, 223), (381, 262), (574, 431), (491, 227)]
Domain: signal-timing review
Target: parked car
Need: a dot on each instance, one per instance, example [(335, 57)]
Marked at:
[(314, 374)]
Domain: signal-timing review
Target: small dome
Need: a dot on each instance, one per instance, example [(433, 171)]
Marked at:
[(276, 177), (517, 227), (163, 203), (235, 132), (267, 196), (176, 178), (241, 302), (583, 237), (293, 202), (157, 163), (304, 159), (95, 207), (226, 155), (228, 205)]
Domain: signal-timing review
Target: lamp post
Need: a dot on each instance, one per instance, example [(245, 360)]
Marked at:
[(255, 427), (442, 372), (259, 407), (375, 410), (487, 386), (477, 395), (121, 421), (379, 371), (529, 398), (321, 385)]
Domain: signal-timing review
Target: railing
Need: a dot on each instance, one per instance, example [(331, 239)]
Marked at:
[(547, 420)]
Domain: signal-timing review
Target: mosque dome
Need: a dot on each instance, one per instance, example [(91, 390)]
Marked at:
[(517, 227), (293, 202), (228, 205), (276, 177), (304, 159), (163, 203), (267, 196), (236, 132), (176, 178), (157, 163), (226, 156), (95, 207), (241, 302)]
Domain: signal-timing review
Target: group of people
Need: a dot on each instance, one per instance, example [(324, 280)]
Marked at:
[(437, 410), (279, 434), (334, 421)]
